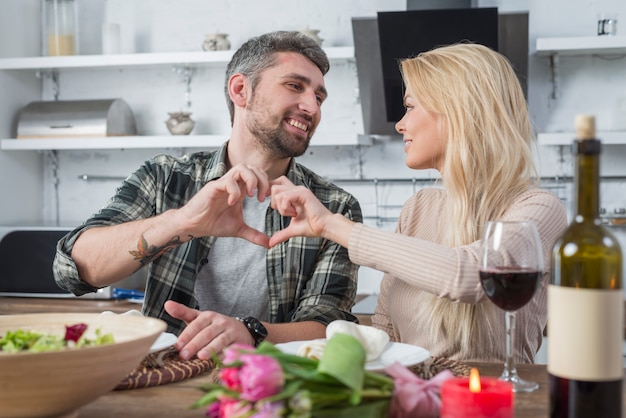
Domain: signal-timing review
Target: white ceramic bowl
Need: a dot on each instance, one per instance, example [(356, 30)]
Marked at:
[(58, 383)]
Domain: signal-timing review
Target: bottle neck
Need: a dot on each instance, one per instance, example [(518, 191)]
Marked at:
[(588, 181)]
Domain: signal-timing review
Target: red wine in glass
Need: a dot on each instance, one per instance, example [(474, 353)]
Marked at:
[(510, 271), (510, 288)]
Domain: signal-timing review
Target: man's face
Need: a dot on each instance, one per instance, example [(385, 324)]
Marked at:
[(284, 109)]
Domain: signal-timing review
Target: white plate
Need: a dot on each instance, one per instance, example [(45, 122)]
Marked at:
[(405, 354), (165, 340)]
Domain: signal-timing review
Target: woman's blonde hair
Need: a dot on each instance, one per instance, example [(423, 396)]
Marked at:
[(488, 156)]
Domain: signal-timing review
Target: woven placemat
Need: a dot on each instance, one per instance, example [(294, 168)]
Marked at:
[(435, 365), (163, 367)]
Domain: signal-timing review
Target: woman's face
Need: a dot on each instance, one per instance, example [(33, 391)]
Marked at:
[(423, 142)]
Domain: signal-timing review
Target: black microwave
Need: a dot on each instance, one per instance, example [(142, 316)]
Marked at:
[(26, 256)]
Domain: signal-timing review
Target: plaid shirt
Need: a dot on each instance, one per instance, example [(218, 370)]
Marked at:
[(309, 279)]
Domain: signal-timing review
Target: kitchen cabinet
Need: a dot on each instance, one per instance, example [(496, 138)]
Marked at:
[(553, 48), (177, 60)]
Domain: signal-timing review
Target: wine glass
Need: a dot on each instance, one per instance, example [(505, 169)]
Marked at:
[(510, 270)]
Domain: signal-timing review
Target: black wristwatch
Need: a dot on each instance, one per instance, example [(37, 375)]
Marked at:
[(255, 328)]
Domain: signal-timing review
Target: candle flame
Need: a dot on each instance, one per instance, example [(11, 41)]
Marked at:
[(474, 381)]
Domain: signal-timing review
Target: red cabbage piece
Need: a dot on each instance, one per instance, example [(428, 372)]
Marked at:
[(74, 332)]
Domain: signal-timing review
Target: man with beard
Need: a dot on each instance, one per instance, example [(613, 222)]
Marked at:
[(202, 222)]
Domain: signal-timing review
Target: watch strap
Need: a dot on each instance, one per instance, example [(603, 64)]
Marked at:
[(256, 329)]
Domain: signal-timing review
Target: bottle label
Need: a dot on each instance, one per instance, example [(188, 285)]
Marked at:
[(585, 333)]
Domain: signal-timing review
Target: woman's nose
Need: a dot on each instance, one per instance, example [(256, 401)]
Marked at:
[(399, 126)]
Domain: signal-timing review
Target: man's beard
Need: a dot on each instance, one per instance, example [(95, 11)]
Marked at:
[(271, 135)]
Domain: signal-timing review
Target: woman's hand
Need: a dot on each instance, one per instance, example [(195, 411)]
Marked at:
[(309, 217)]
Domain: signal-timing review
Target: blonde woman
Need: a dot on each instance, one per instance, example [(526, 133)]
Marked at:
[(466, 116)]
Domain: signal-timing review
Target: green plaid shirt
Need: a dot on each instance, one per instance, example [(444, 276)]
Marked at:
[(309, 279)]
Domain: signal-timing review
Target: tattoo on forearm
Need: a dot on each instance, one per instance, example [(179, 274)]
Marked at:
[(147, 253)]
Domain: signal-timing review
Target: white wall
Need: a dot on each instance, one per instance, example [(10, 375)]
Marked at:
[(21, 179), (589, 84)]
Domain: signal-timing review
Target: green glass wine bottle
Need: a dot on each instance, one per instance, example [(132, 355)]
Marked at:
[(585, 300)]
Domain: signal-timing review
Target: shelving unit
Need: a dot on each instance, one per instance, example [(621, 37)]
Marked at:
[(577, 46), (581, 45), (197, 58), (174, 59), (566, 138), (171, 141)]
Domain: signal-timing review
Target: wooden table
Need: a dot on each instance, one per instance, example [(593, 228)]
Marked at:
[(174, 400), (19, 305)]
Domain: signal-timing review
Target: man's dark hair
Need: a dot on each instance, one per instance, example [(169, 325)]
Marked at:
[(258, 54)]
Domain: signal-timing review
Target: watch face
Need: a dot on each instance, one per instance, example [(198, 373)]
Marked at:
[(256, 328)]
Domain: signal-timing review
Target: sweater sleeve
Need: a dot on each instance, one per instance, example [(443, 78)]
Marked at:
[(382, 318), (450, 272)]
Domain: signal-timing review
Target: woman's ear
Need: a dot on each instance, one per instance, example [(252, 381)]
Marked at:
[(238, 89)]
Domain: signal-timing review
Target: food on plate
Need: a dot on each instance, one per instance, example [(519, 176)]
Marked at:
[(25, 340), (312, 349), (374, 340)]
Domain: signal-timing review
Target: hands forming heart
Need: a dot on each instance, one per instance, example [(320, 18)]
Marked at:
[(217, 209)]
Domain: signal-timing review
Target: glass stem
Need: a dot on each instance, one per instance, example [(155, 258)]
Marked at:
[(509, 365)]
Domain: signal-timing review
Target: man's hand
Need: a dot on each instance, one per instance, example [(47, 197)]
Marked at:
[(207, 333), (217, 209)]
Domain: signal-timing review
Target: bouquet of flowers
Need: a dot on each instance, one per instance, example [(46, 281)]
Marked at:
[(267, 383)]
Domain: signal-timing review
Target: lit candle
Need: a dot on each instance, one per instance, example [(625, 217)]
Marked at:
[(476, 397)]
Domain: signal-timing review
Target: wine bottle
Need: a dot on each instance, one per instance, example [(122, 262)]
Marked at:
[(585, 300)]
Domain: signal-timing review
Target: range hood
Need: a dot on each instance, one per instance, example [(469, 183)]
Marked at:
[(512, 41), (370, 73)]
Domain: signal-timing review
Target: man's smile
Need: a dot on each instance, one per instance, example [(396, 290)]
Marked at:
[(298, 124)]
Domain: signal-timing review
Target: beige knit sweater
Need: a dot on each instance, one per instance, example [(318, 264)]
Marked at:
[(417, 267)]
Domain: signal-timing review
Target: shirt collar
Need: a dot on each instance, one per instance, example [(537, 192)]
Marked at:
[(219, 169)]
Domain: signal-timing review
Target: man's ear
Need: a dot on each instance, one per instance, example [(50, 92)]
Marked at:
[(238, 89)]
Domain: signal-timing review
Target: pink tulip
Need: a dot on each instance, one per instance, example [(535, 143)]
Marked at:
[(234, 351), (213, 411), (230, 377), (269, 410), (232, 355), (260, 376), (233, 408)]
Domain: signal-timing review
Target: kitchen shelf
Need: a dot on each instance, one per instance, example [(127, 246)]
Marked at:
[(175, 59), (566, 138), (194, 58), (168, 141), (581, 45), (578, 45)]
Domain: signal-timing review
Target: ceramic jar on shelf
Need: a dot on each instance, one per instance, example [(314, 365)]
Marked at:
[(216, 42), (180, 123)]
